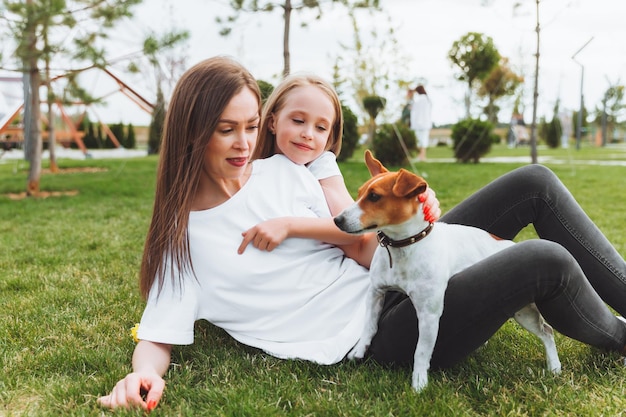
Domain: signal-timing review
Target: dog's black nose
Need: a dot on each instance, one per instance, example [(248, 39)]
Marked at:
[(338, 221)]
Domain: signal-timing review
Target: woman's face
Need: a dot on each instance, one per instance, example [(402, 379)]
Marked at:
[(303, 125), (228, 151)]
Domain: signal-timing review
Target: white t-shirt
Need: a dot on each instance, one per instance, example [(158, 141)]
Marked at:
[(324, 166), (303, 300)]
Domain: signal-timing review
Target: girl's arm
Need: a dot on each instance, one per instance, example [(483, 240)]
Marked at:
[(269, 234), (338, 198), (150, 362)]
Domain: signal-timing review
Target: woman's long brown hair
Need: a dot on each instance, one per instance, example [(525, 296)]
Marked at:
[(199, 99), (266, 144)]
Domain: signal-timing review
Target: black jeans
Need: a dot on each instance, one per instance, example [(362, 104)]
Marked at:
[(570, 273)]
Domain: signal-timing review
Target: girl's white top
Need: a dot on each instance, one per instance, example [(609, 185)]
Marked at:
[(303, 300), (324, 166)]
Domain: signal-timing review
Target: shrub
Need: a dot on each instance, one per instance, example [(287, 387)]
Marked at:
[(551, 132), (131, 141), (350, 136), (266, 89), (118, 131), (156, 124), (387, 146), (472, 138)]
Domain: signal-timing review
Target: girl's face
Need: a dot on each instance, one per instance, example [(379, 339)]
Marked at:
[(302, 126), (228, 151)]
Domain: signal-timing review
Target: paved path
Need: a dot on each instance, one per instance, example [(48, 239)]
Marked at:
[(546, 160)]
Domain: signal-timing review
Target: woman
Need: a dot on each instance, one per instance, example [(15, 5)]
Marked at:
[(421, 119), (304, 299)]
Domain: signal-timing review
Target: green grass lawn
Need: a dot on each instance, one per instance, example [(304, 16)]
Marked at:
[(68, 295)]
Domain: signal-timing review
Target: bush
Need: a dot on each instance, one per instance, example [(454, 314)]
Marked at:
[(387, 147), (551, 132), (472, 138), (156, 124), (350, 136), (131, 141), (266, 89), (118, 131)]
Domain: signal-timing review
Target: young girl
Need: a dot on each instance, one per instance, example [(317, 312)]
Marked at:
[(302, 120)]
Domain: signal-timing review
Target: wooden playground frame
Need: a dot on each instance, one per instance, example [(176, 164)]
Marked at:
[(15, 134)]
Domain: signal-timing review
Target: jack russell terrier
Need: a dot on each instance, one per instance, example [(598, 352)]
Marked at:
[(418, 258)]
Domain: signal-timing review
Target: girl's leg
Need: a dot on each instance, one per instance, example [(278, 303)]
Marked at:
[(534, 194), (482, 297)]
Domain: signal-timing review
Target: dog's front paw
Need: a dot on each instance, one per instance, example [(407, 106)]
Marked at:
[(420, 380), (358, 351)]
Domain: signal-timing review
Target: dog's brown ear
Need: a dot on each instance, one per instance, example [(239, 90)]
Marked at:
[(373, 164), (408, 184)]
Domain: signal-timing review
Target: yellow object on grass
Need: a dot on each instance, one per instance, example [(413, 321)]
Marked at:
[(133, 332)]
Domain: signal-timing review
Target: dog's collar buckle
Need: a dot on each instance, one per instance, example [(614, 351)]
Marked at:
[(385, 241)]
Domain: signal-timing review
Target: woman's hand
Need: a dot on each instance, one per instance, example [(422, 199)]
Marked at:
[(137, 389), (430, 205), (144, 386)]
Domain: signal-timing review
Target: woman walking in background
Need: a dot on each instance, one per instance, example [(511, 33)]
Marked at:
[(421, 121)]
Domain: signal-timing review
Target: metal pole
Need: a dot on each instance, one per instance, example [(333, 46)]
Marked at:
[(579, 120), (533, 126)]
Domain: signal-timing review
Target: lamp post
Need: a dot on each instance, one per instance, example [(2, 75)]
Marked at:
[(579, 120)]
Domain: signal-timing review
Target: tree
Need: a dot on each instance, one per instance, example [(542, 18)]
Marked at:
[(500, 82), (373, 105), (475, 56), (613, 108), (41, 29), (156, 124), (372, 64), (288, 7), (131, 141)]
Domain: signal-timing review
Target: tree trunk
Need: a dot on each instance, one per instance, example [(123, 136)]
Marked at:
[(533, 125), (286, 56), (51, 138), (468, 100), (34, 136), (51, 134), (32, 133)]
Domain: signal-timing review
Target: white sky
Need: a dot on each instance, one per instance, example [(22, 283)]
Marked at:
[(425, 29)]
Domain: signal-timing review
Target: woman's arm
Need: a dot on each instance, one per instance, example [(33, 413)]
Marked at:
[(150, 362)]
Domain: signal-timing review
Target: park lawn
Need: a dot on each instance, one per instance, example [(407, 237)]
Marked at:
[(68, 293)]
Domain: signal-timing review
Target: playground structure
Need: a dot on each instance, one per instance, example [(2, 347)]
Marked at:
[(12, 134)]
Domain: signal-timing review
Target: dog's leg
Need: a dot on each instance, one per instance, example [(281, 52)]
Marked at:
[(428, 315), (373, 307), (530, 319)]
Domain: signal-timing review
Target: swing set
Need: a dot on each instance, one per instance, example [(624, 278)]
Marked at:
[(12, 134)]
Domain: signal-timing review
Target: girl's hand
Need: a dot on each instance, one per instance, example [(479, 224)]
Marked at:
[(266, 236), (142, 390), (430, 205)]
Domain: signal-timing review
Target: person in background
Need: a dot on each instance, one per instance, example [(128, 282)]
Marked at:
[(405, 117), (421, 120)]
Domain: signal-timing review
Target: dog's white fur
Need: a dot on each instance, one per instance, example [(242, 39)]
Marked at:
[(421, 270)]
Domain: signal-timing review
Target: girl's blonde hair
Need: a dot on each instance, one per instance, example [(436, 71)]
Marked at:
[(199, 99), (266, 144)]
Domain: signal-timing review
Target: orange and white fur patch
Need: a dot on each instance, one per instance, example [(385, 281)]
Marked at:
[(429, 254)]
